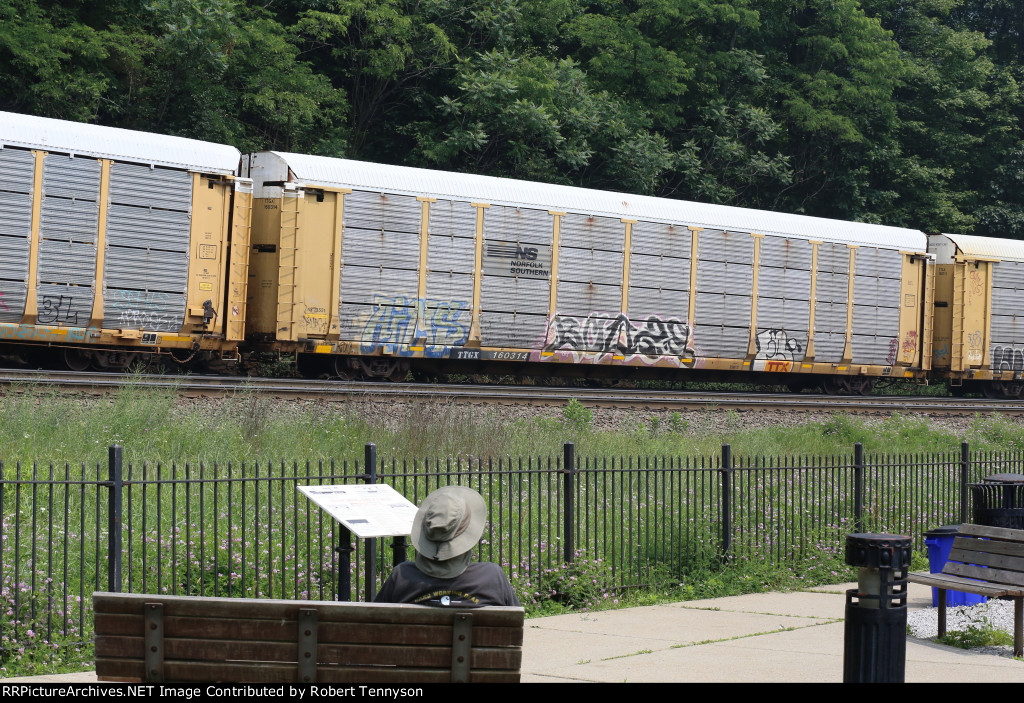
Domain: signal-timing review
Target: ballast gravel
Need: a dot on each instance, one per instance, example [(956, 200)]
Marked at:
[(924, 622)]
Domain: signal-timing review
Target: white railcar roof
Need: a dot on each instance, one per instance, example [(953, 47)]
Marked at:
[(987, 247), (118, 144), (314, 171)]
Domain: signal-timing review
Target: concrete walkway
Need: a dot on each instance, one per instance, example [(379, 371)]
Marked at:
[(763, 637)]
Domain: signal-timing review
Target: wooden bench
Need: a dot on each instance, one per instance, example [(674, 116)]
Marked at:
[(156, 639), (987, 561)]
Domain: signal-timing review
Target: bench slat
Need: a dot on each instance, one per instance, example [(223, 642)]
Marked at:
[(957, 583), (327, 611), (183, 650), (330, 632), (186, 672), (1012, 549), (986, 558), (991, 532), (1000, 576)]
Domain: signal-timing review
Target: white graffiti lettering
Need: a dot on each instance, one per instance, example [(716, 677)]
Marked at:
[(618, 335), (1007, 358)]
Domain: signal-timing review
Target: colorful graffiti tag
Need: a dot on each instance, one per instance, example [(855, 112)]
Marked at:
[(399, 322)]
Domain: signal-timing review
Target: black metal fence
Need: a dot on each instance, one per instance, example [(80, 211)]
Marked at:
[(243, 529)]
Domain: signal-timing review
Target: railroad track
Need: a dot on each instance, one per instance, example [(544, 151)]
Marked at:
[(214, 386)]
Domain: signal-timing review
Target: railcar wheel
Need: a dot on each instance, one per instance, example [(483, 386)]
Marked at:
[(77, 359), (861, 385), (833, 385), (399, 373), (993, 390), (342, 368)]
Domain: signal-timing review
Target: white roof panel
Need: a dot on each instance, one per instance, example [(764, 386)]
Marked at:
[(118, 144), (987, 247), (320, 171)]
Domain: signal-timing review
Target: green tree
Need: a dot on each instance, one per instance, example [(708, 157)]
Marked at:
[(537, 118), (834, 71), (50, 64), (382, 54), (942, 107)]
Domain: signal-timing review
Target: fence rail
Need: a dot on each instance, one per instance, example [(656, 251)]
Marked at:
[(243, 529)]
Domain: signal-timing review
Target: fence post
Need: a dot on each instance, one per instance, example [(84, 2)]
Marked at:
[(114, 523), (726, 473), (569, 514), (965, 471), (370, 477), (858, 487)]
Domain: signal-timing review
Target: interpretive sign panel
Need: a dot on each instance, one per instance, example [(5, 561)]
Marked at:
[(375, 510)]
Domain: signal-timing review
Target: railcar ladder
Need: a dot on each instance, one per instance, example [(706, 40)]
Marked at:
[(238, 274), (288, 269), (956, 344), (928, 316)]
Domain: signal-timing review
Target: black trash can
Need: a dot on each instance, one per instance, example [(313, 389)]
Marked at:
[(999, 504)]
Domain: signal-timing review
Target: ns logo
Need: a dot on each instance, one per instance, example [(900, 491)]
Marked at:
[(512, 251)]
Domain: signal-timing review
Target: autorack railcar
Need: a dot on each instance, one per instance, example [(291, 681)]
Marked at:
[(979, 313), (375, 267), (116, 242)]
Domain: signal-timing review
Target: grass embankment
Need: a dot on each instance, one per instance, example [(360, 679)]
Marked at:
[(155, 426)]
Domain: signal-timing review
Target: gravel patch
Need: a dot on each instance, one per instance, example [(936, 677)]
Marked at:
[(923, 623)]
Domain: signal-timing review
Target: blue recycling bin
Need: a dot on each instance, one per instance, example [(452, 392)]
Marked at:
[(939, 542)]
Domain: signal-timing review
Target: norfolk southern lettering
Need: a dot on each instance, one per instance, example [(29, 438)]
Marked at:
[(523, 260)]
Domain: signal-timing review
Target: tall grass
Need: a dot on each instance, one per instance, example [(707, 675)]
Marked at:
[(156, 425)]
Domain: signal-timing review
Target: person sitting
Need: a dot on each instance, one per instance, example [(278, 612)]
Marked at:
[(447, 526)]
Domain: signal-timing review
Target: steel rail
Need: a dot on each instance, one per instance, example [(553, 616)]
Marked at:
[(189, 385)]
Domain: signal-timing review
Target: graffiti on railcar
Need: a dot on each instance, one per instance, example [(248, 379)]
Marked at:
[(977, 283), (894, 346), (975, 340), (398, 322), (43, 334), (910, 343), (144, 309), (1007, 358), (56, 309), (314, 317), (776, 351), (617, 335)]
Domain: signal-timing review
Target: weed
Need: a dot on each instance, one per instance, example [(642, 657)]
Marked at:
[(676, 423), (577, 417), (979, 633)]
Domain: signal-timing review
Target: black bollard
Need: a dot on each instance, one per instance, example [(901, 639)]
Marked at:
[(875, 640)]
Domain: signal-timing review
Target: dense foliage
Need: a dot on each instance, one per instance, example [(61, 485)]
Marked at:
[(896, 111)]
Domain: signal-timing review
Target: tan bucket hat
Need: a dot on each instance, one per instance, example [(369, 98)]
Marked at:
[(449, 523)]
